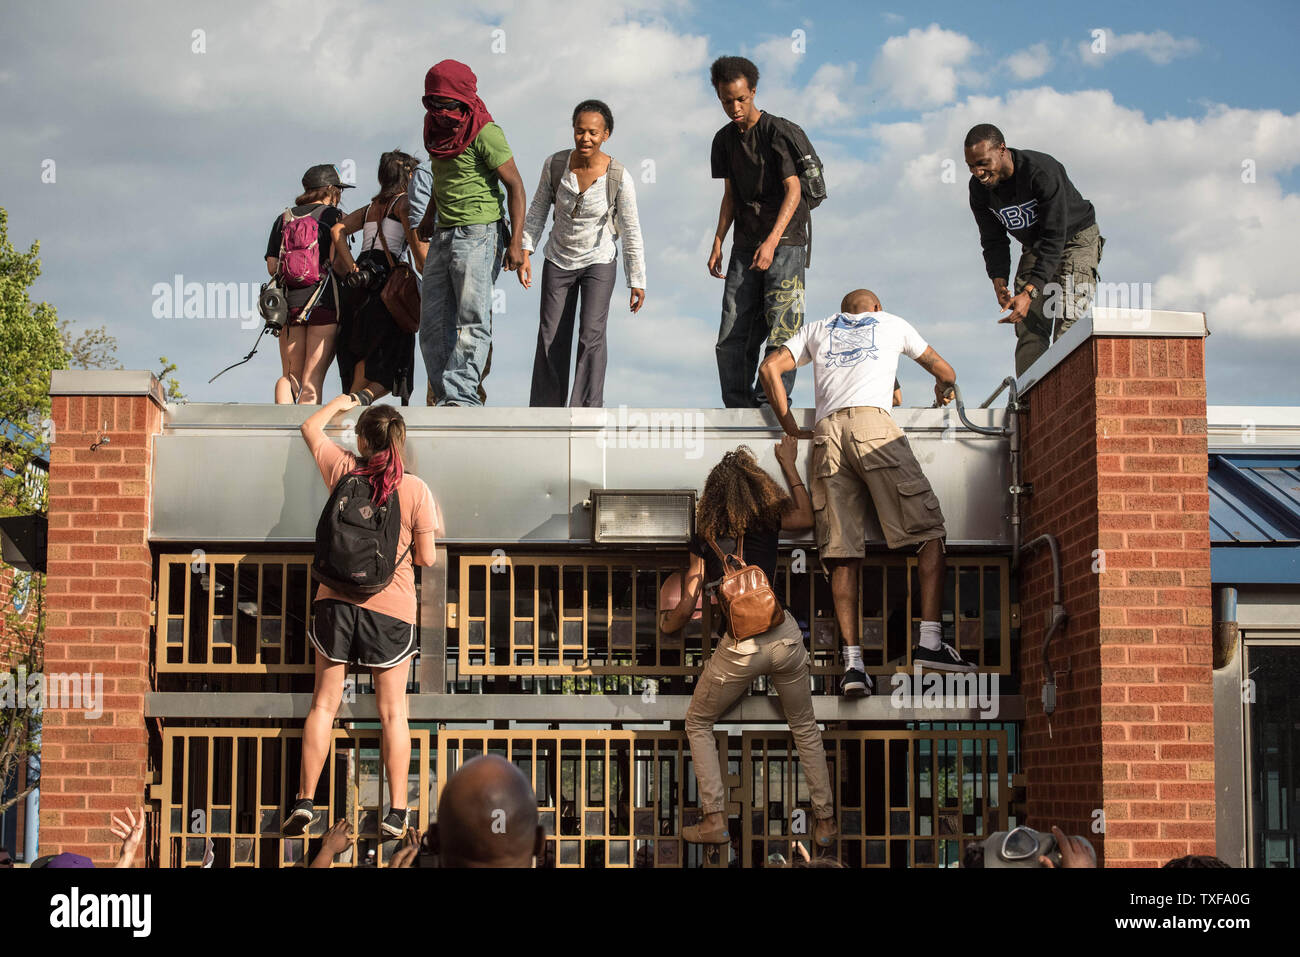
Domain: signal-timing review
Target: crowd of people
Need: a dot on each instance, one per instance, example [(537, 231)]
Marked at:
[(437, 233), (487, 817), (434, 238), (440, 229), (459, 217)]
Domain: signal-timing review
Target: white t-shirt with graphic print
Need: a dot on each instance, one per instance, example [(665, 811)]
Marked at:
[(855, 358)]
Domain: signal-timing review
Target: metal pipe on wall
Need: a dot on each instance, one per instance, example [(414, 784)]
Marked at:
[(1011, 431), (1059, 617), (1226, 630)]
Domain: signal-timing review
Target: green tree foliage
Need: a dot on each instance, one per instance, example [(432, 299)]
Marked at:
[(170, 383), (32, 347), (90, 349), (20, 727)]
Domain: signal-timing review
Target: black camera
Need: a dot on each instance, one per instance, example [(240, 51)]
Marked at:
[(1023, 846), (370, 274), (363, 278)]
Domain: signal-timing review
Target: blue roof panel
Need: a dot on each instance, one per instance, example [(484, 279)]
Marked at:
[(1255, 499)]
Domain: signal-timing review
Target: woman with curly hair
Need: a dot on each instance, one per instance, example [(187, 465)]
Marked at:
[(744, 511)]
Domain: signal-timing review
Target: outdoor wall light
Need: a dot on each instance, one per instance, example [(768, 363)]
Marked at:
[(642, 516)]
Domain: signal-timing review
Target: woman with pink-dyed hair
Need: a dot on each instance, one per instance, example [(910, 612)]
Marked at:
[(377, 631)]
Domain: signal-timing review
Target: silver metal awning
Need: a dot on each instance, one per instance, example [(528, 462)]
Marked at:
[(241, 472)]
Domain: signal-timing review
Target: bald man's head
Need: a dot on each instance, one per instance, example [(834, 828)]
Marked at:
[(859, 301), (487, 816)]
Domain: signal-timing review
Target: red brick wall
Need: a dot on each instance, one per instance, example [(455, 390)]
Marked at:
[(98, 594), (1059, 446), (1115, 447)]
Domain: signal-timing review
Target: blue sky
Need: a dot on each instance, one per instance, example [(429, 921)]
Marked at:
[(1247, 54), (173, 162)]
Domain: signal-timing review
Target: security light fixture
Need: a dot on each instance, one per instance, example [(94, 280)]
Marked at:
[(642, 516), (24, 538)]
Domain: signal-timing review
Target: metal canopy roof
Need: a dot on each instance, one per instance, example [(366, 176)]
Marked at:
[(1255, 517), (1255, 500)]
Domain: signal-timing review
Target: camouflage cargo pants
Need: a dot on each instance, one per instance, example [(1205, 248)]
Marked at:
[(1068, 295)]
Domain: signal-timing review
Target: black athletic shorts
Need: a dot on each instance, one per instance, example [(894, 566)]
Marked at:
[(344, 632)]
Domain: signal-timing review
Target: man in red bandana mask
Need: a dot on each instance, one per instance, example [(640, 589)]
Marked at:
[(464, 223)]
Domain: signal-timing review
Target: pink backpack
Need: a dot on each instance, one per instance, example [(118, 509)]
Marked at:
[(300, 248)]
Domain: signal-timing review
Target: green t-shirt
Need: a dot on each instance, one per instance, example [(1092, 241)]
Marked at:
[(467, 188)]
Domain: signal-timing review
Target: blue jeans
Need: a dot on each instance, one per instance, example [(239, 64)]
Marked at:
[(757, 306), (456, 310)]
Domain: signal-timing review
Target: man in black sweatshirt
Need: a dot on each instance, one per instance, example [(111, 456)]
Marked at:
[(1028, 195)]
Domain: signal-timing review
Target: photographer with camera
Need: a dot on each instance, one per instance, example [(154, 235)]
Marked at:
[(376, 352), (1024, 847), (298, 256)]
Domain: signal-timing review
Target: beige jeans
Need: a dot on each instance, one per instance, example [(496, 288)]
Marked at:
[(861, 459), (727, 675)]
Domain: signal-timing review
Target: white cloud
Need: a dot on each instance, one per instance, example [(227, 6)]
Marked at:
[(920, 69), (829, 96), (1201, 237), (1159, 47), (777, 60), (1030, 63)]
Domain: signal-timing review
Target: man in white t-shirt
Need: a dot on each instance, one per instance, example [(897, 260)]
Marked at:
[(859, 455)]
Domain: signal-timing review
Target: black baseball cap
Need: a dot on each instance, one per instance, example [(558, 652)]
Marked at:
[(325, 174)]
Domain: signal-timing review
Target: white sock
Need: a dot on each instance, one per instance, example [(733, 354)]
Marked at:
[(853, 658), (931, 635)]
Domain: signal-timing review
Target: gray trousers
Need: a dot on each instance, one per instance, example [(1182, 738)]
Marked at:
[(561, 290)]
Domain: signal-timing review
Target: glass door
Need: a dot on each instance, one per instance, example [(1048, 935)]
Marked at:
[(1273, 750)]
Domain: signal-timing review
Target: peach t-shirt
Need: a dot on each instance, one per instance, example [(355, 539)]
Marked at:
[(419, 514)]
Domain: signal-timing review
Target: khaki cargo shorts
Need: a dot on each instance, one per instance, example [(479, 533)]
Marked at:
[(861, 457)]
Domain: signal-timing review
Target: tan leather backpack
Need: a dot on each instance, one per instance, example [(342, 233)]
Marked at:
[(746, 595)]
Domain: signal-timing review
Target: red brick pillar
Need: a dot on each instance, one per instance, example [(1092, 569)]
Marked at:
[(1115, 448), (100, 575)]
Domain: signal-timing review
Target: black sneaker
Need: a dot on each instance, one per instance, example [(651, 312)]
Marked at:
[(855, 684), (944, 658), (300, 817), (395, 824)]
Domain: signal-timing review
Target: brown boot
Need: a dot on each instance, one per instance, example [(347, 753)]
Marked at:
[(825, 830), (712, 829)]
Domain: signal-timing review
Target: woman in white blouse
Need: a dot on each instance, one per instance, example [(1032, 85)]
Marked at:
[(595, 204)]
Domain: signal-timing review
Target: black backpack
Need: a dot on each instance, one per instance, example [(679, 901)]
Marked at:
[(356, 540), (812, 182)]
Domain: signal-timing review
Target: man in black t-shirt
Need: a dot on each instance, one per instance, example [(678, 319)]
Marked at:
[(1028, 195), (764, 293)]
